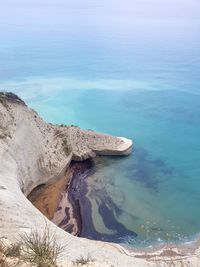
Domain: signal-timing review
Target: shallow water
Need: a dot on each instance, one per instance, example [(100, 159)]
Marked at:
[(128, 68)]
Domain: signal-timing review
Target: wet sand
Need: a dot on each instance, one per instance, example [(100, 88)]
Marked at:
[(59, 201), (66, 203), (68, 213), (46, 198)]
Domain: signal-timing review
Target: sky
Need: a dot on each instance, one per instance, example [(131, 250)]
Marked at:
[(41, 12)]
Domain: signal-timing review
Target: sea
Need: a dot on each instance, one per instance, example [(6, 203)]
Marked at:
[(128, 68)]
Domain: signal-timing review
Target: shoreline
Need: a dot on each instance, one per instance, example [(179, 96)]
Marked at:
[(33, 154), (58, 201), (68, 213), (46, 197), (65, 203)]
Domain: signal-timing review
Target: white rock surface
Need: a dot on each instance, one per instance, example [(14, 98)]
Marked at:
[(33, 152)]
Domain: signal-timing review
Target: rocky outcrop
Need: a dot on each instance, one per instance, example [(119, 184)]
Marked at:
[(33, 153), (10, 97), (43, 151)]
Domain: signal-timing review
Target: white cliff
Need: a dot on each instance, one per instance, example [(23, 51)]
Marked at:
[(33, 152)]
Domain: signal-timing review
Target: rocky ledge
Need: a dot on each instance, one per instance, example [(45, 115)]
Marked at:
[(34, 153)]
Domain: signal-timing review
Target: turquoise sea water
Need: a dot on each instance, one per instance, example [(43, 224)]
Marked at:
[(128, 68)]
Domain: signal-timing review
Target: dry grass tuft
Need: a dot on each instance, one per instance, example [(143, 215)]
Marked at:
[(40, 249), (83, 261)]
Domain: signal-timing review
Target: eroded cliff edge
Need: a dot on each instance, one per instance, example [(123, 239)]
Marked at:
[(33, 152)]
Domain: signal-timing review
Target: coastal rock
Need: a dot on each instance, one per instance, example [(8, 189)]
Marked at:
[(2, 260), (10, 97), (34, 153)]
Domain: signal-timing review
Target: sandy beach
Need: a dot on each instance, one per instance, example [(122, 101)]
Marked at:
[(46, 198)]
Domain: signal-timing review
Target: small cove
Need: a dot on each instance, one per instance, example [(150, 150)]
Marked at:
[(128, 69), (65, 202)]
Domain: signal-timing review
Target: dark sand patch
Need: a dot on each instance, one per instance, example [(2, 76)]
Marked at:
[(46, 198)]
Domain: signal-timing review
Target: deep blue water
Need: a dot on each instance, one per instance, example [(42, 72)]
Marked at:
[(128, 68)]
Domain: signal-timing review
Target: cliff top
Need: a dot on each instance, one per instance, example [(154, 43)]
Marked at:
[(11, 97)]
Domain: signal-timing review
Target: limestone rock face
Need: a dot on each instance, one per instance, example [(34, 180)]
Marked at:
[(42, 151), (32, 153)]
